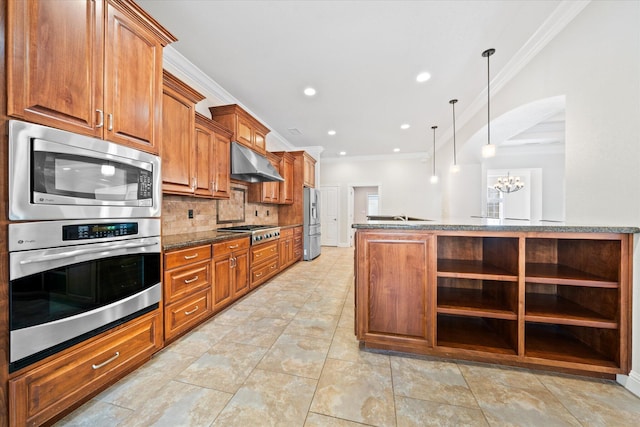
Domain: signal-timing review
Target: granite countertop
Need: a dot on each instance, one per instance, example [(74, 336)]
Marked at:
[(185, 240), (491, 224)]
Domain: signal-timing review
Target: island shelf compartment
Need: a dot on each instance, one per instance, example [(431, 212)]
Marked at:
[(471, 257), (572, 305), (473, 297), (580, 262), (582, 347), (483, 334)]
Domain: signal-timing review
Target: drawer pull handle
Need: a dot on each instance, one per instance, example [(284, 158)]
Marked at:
[(187, 281), (258, 254), (273, 267), (234, 246), (191, 256), (259, 274), (192, 311), (106, 362)]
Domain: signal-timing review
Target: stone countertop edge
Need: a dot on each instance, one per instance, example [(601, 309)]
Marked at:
[(524, 226), (180, 241)]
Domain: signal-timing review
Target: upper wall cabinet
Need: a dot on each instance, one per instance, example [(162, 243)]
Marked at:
[(213, 151), (90, 67), (179, 168), (246, 129)]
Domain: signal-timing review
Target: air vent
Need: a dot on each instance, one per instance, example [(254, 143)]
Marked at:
[(294, 131)]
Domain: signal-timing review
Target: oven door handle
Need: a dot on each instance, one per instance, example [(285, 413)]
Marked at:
[(69, 254)]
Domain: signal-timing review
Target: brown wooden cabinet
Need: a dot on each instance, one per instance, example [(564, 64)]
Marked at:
[(231, 266), (393, 298), (187, 289), (287, 254), (293, 213), (212, 151), (90, 67), (555, 300), (246, 129), (297, 243), (286, 169), (264, 262), (309, 172), (40, 394), (266, 192), (179, 160)]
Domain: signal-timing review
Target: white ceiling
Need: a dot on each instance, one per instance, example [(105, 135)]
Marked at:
[(362, 57)]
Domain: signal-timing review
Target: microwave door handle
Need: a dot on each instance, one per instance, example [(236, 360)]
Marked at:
[(77, 252)]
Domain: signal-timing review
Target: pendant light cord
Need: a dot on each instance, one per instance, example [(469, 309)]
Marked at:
[(434, 149), (487, 53), (453, 106)]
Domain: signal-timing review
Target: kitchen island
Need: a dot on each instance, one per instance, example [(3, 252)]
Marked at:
[(547, 295)]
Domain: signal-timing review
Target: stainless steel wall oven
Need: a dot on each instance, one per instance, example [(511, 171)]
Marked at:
[(70, 280)]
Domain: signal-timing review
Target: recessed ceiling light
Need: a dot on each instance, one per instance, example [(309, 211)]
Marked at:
[(332, 132), (405, 126), (309, 91), (343, 153), (396, 150), (423, 77)]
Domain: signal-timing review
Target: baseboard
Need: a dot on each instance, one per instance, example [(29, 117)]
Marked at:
[(630, 382)]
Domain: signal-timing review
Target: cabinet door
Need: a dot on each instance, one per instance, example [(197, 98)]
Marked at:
[(222, 291), (392, 286), (178, 156), (204, 151), (133, 82), (241, 273), (54, 63), (309, 179), (221, 167), (244, 133), (259, 141), (286, 187)]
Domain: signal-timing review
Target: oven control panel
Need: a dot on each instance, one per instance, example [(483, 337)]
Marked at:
[(98, 231)]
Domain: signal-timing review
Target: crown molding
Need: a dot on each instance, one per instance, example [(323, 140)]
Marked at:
[(180, 66)]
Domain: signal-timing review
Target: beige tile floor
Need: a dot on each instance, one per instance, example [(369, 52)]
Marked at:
[(285, 355)]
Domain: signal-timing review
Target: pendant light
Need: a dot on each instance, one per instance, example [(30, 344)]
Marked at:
[(454, 167), (488, 150), (434, 177)]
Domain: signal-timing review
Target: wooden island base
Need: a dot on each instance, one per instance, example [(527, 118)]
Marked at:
[(555, 300)]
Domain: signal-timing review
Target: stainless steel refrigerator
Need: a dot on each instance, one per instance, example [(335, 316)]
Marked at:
[(311, 226)]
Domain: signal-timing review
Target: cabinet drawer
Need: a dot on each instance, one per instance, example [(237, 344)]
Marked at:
[(262, 252), (182, 315), (260, 274), (180, 282), (230, 245), (186, 256), (285, 233), (45, 391)]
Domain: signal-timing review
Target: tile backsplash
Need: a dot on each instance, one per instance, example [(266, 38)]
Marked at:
[(175, 213)]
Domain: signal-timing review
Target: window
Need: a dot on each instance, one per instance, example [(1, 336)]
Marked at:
[(495, 203)]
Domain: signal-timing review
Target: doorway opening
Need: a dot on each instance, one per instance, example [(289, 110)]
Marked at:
[(364, 200)]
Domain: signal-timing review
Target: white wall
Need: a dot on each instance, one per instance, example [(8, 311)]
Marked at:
[(403, 183)]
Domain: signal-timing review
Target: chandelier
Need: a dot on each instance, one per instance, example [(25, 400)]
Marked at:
[(508, 184)]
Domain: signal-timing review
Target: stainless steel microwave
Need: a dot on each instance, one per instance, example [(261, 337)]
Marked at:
[(54, 174)]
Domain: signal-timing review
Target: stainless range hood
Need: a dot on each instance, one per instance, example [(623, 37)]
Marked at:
[(247, 165)]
